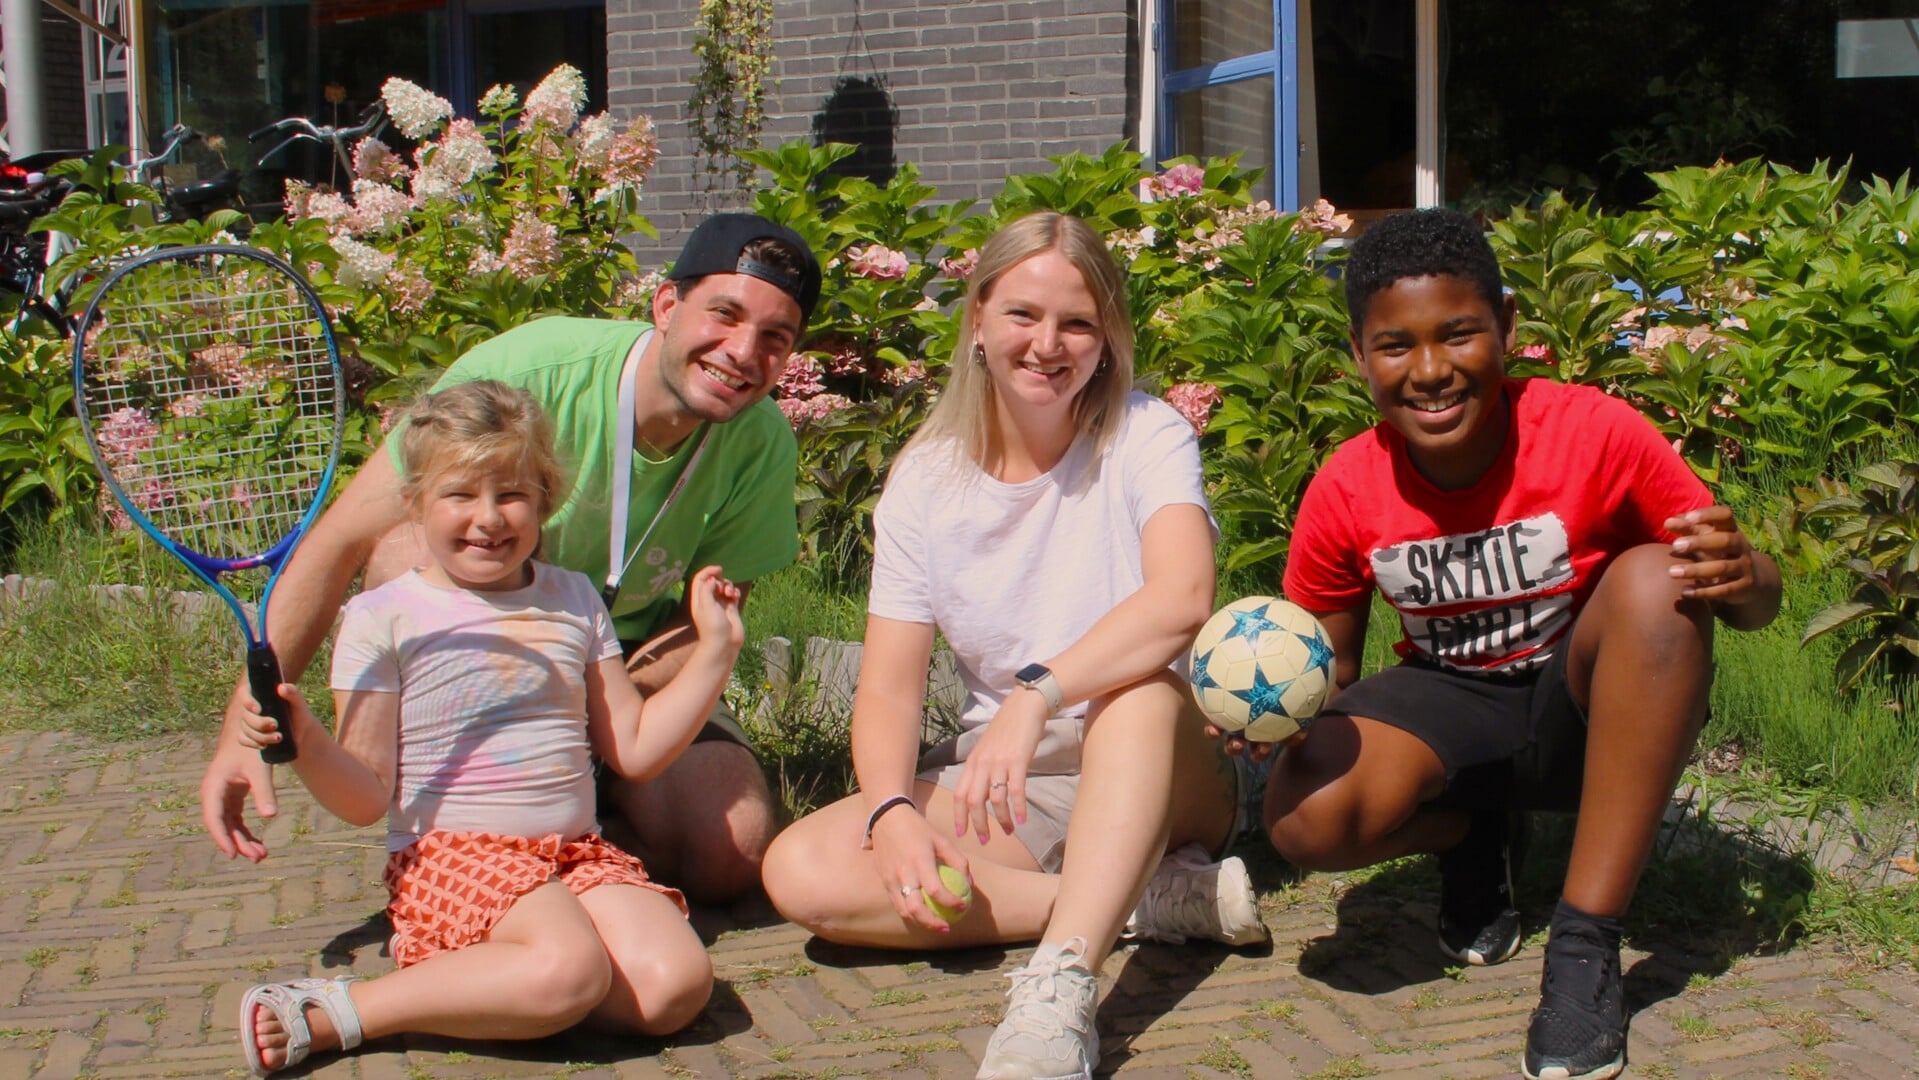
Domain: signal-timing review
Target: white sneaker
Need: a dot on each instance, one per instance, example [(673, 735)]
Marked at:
[(1189, 897), (1048, 1031)]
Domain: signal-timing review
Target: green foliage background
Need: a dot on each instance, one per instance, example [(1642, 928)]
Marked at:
[(1764, 319)]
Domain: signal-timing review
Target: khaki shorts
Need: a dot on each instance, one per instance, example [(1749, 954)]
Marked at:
[(1052, 783)]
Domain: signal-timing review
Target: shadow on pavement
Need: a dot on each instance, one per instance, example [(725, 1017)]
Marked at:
[(1708, 898)]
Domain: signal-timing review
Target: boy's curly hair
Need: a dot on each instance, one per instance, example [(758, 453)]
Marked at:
[(1420, 243)]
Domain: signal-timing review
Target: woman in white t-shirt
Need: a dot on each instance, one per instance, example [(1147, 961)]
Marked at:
[(1051, 524)]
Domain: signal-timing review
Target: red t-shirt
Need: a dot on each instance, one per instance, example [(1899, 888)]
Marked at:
[(1491, 578)]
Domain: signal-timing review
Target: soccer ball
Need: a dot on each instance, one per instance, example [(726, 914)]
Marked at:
[(1262, 667)]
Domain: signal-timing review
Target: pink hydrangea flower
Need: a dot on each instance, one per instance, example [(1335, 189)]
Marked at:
[(532, 247), (960, 267), (1324, 217), (374, 160), (802, 377), (799, 410), (879, 263), (125, 434), (1179, 180), (631, 157), (1541, 352), (408, 290), (900, 375), (1195, 402)]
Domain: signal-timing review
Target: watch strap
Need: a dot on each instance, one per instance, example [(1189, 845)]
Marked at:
[(1048, 689)]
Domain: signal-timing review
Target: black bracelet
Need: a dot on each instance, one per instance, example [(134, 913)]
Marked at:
[(866, 842)]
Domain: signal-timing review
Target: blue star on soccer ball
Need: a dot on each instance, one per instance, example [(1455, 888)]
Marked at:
[(1318, 653), (1203, 673), (1249, 625), (1263, 697)]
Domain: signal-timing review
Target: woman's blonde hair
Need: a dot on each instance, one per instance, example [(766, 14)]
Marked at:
[(967, 414), (475, 428)]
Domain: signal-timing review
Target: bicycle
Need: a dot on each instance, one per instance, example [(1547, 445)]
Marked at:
[(27, 256), (340, 140)]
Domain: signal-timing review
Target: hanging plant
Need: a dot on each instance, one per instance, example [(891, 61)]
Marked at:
[(733, 40)]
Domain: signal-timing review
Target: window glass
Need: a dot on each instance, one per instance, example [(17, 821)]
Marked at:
[(1209, 31), (1591, 94), (1230, 118)]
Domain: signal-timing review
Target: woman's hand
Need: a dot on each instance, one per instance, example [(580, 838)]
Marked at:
[(994, 776), (909, 852)]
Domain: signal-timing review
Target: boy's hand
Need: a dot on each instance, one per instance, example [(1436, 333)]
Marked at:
[(258, 730), (715, 606), (1236, 744), (1718, 559)]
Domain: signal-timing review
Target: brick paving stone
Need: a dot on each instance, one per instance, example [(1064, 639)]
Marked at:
[(157, 935)]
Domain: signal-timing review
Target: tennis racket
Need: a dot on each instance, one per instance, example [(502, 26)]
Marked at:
[(208, 384)]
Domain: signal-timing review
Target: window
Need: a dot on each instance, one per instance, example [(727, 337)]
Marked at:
[(1226, 87)]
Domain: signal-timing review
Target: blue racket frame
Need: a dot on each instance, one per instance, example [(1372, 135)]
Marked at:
[(263, 667)]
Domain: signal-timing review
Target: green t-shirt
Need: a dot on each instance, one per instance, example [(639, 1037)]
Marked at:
[(736, 511)]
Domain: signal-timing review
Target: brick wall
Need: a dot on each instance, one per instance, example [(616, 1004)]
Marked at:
[(982, 89)]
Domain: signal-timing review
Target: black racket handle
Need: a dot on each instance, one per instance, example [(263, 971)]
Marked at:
[(263, 674)]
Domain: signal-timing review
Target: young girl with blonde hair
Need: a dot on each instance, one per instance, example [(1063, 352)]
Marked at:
[(470, 693)]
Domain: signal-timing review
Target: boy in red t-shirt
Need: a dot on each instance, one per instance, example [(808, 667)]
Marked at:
[(1557, 570)]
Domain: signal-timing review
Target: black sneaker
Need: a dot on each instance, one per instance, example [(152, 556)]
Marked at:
[(1578, 1032), (1478, 921)]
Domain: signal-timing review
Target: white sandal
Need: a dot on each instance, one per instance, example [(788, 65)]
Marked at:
[(288, 1002)]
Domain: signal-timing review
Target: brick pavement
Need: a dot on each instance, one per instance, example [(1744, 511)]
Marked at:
[(126, 942)]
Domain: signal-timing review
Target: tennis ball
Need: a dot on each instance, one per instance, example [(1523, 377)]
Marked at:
[(956, 884)]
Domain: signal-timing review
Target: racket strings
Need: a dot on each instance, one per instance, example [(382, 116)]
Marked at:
[(213, 397)]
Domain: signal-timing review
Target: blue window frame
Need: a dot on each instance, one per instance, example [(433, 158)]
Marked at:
[(1215, 100)]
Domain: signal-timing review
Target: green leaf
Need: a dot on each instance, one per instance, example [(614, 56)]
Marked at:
[(1834, 617)]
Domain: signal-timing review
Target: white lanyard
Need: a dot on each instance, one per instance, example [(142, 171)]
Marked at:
[(618, 559)]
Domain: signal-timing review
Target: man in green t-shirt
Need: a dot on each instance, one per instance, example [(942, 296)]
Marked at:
[(669, 433)]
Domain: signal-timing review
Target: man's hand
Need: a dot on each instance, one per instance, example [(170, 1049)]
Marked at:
[(235, 773)]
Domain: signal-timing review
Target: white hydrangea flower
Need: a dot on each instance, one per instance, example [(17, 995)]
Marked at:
[(594, 140), (558, 99), (415, 110), (498, 99), (457, 157), (377, 208), (361, 264)]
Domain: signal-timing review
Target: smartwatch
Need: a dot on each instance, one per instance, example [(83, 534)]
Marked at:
[(1040, 677)]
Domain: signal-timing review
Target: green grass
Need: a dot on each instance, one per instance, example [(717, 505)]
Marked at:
[(69, 660)]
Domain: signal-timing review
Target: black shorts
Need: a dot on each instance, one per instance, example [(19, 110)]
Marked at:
[(1512, 741)]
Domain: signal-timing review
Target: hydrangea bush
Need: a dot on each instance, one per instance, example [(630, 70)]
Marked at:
[(1763, 318)]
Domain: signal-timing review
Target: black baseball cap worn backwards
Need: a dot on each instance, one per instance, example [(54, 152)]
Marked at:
[(716, 247)]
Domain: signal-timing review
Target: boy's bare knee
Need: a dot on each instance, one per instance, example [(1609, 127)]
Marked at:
[(1640, 581), (1311, 838)]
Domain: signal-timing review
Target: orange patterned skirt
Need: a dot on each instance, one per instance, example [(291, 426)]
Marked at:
[(449, 889)]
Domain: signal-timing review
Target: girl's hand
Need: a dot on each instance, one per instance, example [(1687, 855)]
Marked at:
[(715, 605), (1717, 558), (909, 853), (257, 730), (994, 776)]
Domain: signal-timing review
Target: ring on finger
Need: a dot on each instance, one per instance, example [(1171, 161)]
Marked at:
[(906, 890)]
